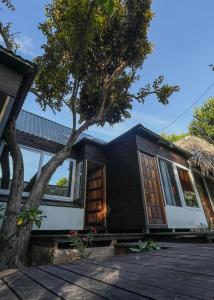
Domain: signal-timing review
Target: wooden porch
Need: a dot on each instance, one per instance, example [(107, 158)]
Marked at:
[(182, 271)]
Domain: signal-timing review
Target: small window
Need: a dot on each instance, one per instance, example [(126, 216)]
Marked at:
[(187, 188), (169, 183), (61, 180)]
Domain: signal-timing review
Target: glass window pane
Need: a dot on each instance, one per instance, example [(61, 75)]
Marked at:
[(31, 164), (60, 182), (169, 183), (210, 185), (187, 187)]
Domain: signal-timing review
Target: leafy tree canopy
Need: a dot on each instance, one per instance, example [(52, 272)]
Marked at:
[(93, 52), (5, 28), (8, 4), (62, 182), (203, 121), (173, 137)]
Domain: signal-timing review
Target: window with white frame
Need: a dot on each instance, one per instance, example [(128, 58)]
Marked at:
[(189, 194), (169, 183), (61, 184), (177, 185)]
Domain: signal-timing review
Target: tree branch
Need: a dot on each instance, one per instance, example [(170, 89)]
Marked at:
[(39, 96), (17, 185), (5, 37)]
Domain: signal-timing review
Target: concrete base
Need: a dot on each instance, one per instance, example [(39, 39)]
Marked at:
[(41, 255)]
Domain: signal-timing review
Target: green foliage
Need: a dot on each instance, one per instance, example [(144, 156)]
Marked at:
[(173, 137), (5, 29), (190, 199), (206, 227), (32, 215), (8, 4), (82, 243), (93, 54), (62, 182), (146, 246), (203, 121)]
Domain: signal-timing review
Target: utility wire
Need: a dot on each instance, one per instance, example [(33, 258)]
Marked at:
[(184, 112)]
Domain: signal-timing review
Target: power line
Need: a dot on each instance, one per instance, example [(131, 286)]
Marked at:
[(184, 112)]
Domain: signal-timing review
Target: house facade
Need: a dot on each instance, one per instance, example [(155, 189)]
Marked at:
[(138, 182)]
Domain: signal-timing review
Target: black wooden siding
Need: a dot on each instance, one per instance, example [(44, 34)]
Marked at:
[(10, 81), (154, 148), (124, 197)]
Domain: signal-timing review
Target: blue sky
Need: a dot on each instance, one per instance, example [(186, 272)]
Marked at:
[(184, 47)]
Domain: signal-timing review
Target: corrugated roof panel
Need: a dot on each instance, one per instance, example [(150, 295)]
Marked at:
[(49, 130)]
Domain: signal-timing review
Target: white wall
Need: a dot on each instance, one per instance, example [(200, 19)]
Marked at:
[(183, 217), (61, 218)]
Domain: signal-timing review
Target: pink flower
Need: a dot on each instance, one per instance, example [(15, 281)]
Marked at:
[(94, 230), (85, 239), (73, 232)]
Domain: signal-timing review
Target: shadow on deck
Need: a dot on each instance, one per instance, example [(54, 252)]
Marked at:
[(183, 271)]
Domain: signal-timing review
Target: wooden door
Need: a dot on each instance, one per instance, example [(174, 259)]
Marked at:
[(207, 206), (95, 201), (152, 190)]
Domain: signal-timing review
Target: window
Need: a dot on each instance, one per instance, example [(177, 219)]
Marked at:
[(187, 188), (210, 186), (31, 161), (61, 181), (61, 184), (169, 183)]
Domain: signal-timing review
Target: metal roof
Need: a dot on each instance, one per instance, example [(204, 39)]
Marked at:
[(49, 130)]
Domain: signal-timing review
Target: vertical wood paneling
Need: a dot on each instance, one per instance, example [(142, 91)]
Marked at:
[(207, 206), (152, 190), (95, 201)]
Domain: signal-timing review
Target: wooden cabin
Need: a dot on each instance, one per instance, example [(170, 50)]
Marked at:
[(139, 182)]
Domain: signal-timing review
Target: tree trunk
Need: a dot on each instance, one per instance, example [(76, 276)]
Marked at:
[(5, 167), (8, 247), (14, 254)]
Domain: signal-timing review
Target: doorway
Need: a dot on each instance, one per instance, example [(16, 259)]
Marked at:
[(95, 208)]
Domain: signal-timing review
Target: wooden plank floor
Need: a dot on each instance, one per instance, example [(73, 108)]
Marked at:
[(182, 271)]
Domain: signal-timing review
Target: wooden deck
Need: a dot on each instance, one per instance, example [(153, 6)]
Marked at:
[(183, 271)]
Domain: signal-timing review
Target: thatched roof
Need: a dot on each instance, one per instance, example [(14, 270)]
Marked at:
[(202, 153)]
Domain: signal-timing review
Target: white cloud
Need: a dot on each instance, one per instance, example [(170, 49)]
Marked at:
[(148, 120), (26, 45)]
